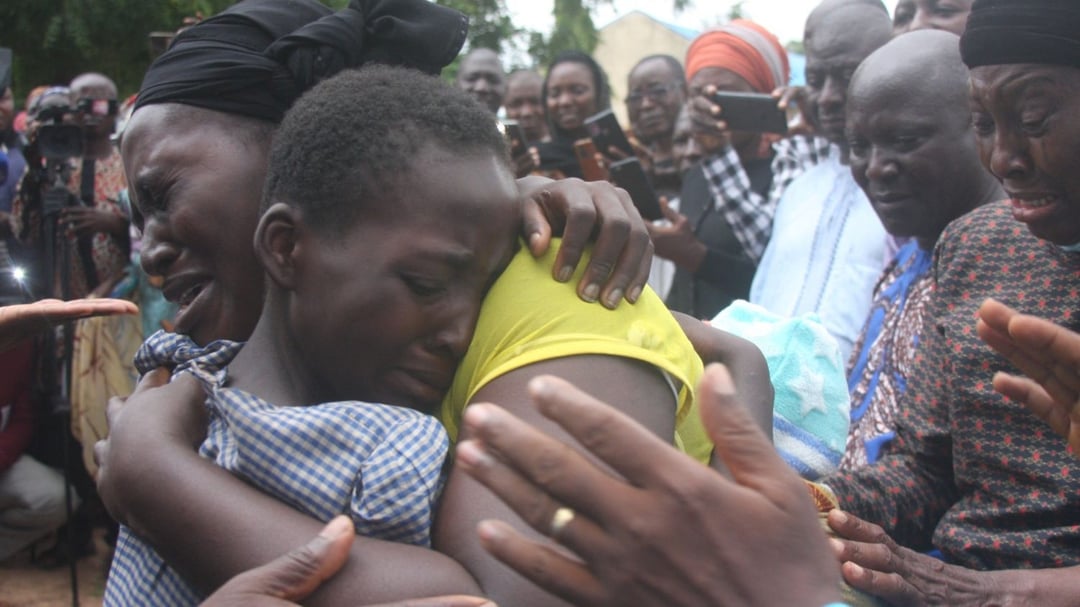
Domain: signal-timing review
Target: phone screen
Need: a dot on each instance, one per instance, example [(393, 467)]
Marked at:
[(754, 112)]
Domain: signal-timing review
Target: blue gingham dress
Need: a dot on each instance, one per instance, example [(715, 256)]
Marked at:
[(380, 464)]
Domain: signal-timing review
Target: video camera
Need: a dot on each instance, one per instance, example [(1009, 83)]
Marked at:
[(57, 139), (54, 139)]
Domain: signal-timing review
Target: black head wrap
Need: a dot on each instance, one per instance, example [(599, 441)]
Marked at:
[(257, 57), (1022, 31)]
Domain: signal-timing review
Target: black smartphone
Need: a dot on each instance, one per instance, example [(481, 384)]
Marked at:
[(629, 175), (604, 130), (515, 136), (753, 112)]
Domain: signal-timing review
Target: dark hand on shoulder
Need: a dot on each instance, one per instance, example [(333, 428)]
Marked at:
[(584, 212)]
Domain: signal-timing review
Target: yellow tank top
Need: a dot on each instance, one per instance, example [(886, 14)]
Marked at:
[(528, 317)]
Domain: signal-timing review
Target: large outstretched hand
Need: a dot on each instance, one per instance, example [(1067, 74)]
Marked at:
[(669, 531)]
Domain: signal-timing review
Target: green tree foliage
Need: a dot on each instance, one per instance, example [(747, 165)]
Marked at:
[(489, 27), (489, 23), (55, 40), (574, 30), (736, 11)]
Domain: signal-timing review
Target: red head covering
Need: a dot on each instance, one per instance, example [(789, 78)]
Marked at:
[(745, 48)]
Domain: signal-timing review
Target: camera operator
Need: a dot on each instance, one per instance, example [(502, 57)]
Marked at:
[(94, 223), (68, 212)]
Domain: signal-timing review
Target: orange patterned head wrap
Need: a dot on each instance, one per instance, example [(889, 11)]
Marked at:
[(745, 48)]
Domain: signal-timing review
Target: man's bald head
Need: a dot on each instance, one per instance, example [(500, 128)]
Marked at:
[(482, 76), (97, 120), (839, 35), (822, 10), (909, 130), (921, 63), (93, 85)]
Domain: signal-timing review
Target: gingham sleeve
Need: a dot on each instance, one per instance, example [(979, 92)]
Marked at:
[(794, 155), (747, 212), (398, 486)]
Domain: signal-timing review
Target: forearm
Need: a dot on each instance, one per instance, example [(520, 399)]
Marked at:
[(1035, 588), (725, 270), (744, 361), (690, 256), (210, 526), (904, 494)]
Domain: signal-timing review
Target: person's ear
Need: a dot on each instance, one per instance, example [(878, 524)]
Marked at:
[(277, 243)]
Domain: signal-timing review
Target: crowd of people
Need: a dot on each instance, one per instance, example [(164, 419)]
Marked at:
[(316, 291)]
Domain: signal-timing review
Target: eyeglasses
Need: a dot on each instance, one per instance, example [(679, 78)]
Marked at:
[(656, 93)]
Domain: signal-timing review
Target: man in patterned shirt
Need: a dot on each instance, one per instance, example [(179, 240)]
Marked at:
[(372, 296), (917, 86), (977, 476)]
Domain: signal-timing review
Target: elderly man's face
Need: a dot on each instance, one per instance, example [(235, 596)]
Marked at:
[(1027, 126), (833, 53), (656, 96), (914, 158)]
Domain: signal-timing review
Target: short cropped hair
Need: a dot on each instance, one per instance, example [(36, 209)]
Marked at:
[(356, 133), (673, 64)]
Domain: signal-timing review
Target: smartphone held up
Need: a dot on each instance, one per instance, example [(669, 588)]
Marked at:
[(627, 173), (751, 112)]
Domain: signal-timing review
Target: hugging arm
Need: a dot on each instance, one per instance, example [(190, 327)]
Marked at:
[(210, 525), (297, 574)]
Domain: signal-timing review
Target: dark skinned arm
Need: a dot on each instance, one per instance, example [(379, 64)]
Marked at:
[(295, 576), (877, 565), (220, 526), (640, 391), (744, 361)]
